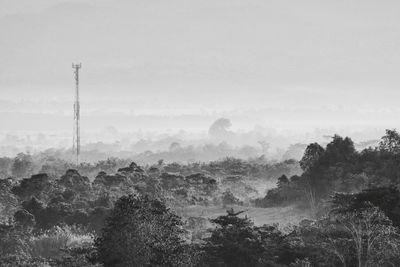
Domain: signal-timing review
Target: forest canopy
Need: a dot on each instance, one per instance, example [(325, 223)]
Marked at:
[(345, 204)]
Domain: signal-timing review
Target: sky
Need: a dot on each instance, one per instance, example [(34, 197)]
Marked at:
[(154, 65)]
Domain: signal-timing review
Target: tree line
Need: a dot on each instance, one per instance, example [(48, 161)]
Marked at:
[(128, 218)]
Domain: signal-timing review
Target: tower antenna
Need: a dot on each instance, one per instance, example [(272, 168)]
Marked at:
[(76, 144)]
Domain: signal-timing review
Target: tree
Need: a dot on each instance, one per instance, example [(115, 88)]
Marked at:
[(237, 242), (139, 232), (386, 199), (233, 242), (375, 239), (376, 242), (390, 142), (339, 150), (311, 155), (39, 185), (324, 243), (220, 127), (74, 181), (330, 168)]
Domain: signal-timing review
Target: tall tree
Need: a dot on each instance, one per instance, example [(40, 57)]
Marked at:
[(311, 155), (141, 232)]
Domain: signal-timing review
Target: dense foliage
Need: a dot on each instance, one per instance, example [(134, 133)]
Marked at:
[(110, 214), (339, 168), (141, 232)]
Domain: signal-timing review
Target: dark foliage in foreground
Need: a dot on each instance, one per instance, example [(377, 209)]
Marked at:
[(141, 232), (237, 242)]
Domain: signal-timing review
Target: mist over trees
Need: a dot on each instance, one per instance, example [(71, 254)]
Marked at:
[(217, 141), (344, 204)]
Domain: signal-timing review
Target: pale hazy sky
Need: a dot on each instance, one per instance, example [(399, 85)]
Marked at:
[(299, 63)]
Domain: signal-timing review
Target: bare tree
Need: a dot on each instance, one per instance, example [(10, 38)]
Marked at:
[(375, 241)]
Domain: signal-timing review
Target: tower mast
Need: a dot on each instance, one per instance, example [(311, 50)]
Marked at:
[(76, 145)]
